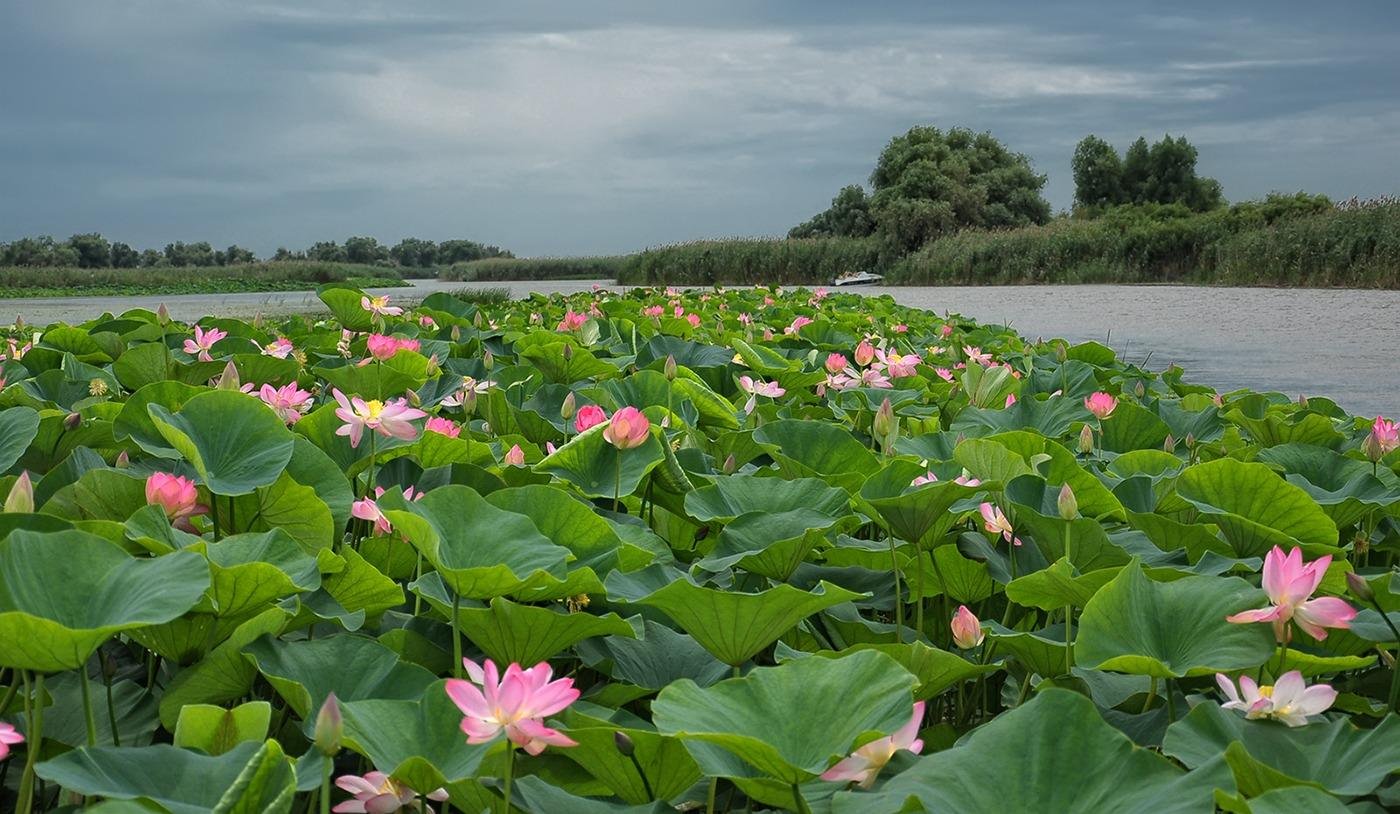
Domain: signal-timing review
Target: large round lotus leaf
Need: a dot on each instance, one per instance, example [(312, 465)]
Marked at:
[(232, 440), (917, 514), (937, 670), (418, 741), (789, 722), (1171, 629), (134, 422), (537, 796), (353, 667), (817, 449), (1256, 509), (480, 551), (599, 469), (18, 426), (344, 301), (1334, 755), (727, 498), (666, 764), (1051, 417), (734, 625), (1070, 760), (64, 593), (250, 777)]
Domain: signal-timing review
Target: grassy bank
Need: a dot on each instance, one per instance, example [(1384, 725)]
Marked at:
[(751, 261), (29, 281), (495, 269)]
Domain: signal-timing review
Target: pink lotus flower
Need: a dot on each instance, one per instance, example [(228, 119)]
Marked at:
[(1289, 700), (758, 387), (967, 629), (391, 420), (924, 479), (471, 389), (443, 426), (901, 328), (872, 377), (946, 331), (288, 401), (693, 319), (515, 703), (8, 737), (1290, 585), (865, 763), (995, 521), (368, 509), (1010, 399), (896, 364), (589, 415), (572, 321), (515, 456), (835, 363), (976, 356), (379, 306), (629, 428), (378, 793), (177, 496), (653, 311), (1384, 437), (962, 480), (203, 341), (865, 353), (425, 321), (745, 319), (944, 373), (383, 347), (797, 325), (281, 347), (1101, 405)]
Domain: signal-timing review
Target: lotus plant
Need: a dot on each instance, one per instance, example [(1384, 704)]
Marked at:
[(391, 419), (289, 401), (279, 348), (629, 428), (994, 521), (177, 496), (8, 737), (1289, 700), (864, 764), (758, 387), (379, 306), (1383, 439), (967, 629), (589, 415), (203, 342), (1290, 585), (1101, 405), (378, 793)]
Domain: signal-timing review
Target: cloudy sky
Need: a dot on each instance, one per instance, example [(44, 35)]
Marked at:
[(582, 128)]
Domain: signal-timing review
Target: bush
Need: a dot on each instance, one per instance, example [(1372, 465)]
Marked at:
[(269, 276), (754, 261), (496, 269)]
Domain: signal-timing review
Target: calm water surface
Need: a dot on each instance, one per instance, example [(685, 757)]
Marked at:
[(1337, 343)]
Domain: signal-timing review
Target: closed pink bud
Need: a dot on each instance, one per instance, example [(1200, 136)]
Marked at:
[(967, 629), (629, 428), (589, 415), (515, 457)]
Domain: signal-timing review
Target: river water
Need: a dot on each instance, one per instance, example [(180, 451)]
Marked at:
[(1343, 344)]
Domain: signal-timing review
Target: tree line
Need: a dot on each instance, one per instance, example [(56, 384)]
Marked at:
[(929, 183), (92, 250)]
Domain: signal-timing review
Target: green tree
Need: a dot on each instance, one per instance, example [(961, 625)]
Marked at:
[(848, 216), (150, 258), (415, 253), (462, 251), (124, 257), (190, 254), (1098, 173), (92, 249), (283, 253), (1137, 169), (365, 250), (236, 255), (327, 251), (929, 183), (30, 251)]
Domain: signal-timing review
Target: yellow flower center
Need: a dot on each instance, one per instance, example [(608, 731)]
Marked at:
[(1267, 691), (373, 408)]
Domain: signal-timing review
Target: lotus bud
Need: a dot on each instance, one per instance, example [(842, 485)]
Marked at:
[(123, 460), (19, 323), (967, 629), (731, 465), (456, 333), (865, 353), (229, 379), (623, 743), (72, 420), (478, 319), (1190, 440), (1139, 390), (469, 398), (1069, 507), (515, 457), (568, 352), (488, 360), (1355, 583), (669, 368), (163, 314), (21, 498), (1302, 401), (413, 398), (1169, 443), (1061, 352), (434, 367), (1086, 441), (884, 419), (329, 727), (569, 408)]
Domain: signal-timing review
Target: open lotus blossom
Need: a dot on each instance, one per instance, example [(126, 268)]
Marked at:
[(383, 347), (1101, 405), (995, 521), (976, 356), (653, 311), (797, 325), (379, 306), (967, 629), (946, 331), (944, 373), (835, 363), (390, 419), (864, 764), (1384, 437), (965, 479), (203, 341), (368, 509), (177, 495), (289, 401), (629, 428), (572, 321), (896, 364), (281, 347), (8, 737), (1289, 699), (471, 389), (1290, 586), (758, 387), (378, 793), (515, 703), (515, 456), (873, 377), (443, 426), (589, 415)]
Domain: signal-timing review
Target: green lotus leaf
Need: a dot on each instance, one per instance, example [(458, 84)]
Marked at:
[(1057, 586), (1171, 629), (813, 449), (1288, 800), (384, 380), (920, 515), (18, 426), (480, 551), (215, 730), (657, 657), (597, 468), (537, 796), (344, 302), (727, 498), (249, 571), (104, 591), (1081, 763), (418, 741), (135, 423), (1040, 651), (233, 441), (757, 718), (1256, 509), (734, 626), (667, 766), (937, 670), (224, 674), (1334, 755), (132, 707), (355, 585), (180, 781), (1132, 428), (1051, 417), (1345, 488), (770, 544), (353, 667)]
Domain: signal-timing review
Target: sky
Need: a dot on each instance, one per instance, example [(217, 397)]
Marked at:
[(554, 128)]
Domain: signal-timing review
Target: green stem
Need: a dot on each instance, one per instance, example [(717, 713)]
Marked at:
[(456, 638), (1282, 657), (942, 586), (417, 575), (505, 781), (1151, 695), (646, 784), (898, 595), (10, 693), (1171, 703), (1394, 668), (214, 514), (710, 797), (111, 707), (326, 785), (369, 484), (617, 482), (35, 736), (1069, 610), (802, 807), (87, 706)]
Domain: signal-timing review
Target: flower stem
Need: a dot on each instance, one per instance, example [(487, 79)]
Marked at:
[(617, 482), (326, 785), (646, 784), (87, 706), (369, 484), (898, 595), (710, 797), (35, 735), (802, 807), (505, 781), (214, 513), (1151, 695), (1394, 668), (1069, 609), (456, 638)]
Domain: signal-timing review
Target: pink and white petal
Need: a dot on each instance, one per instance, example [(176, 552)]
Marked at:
[(906, 736), (1325, 611), (354, 784), (849, 770), (383, 804), (467, 698), (351, 806), (474, 670), (480, 730), (1316, 699), (535, 730), (1268, 614)]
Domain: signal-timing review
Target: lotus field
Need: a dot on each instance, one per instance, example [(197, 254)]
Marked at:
[(745, 550)]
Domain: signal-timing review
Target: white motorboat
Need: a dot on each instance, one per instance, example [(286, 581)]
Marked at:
[(859, 278)]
